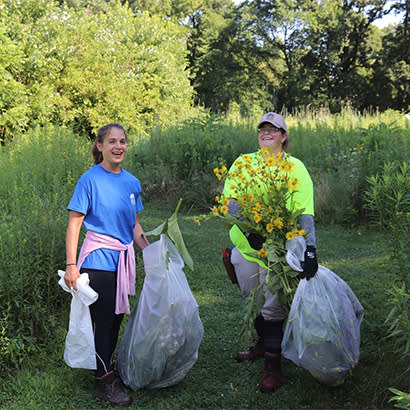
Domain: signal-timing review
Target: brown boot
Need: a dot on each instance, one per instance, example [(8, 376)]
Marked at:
[(271, 373), (253, 353), (108, 388)]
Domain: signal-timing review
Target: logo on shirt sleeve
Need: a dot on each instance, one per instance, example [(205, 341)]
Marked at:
[(132, 199)]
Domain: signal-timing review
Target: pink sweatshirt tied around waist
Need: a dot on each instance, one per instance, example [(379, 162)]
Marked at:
[(126, 269)]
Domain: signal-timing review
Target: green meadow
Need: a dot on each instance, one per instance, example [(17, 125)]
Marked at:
[(359, 165)]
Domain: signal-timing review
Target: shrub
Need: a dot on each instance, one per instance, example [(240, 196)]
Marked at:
[(87, 67)]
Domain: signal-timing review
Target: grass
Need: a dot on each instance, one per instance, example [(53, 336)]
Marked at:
[(217, 381)]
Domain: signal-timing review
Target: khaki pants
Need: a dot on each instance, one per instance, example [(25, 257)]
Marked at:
[(250, 275)]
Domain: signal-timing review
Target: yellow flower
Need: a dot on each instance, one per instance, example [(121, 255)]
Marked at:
[(262, 253), (219, 176), (226, 201), (215, 210), (278, 223), (289, 186), (224, 169), (197, 222), (257, 207), (250, 198), (216, 171), (269, 227), (288, 166), (282, 165), (257, 218), (289, 236), (224, 209), (294, 183), (270, 160), (264, 151), (217, 199)]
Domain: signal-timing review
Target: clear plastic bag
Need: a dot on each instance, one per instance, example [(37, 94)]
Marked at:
[(322, 333), (162, 337)]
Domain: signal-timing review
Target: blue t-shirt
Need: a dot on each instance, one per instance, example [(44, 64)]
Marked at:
[(110, 203)]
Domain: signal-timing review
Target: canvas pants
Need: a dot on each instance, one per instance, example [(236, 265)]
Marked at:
[(250, 275)]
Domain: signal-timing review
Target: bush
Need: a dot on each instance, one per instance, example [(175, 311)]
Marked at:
[(87, 67)]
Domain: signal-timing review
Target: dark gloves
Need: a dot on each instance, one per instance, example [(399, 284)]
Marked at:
[(310, 265), (256, 241)]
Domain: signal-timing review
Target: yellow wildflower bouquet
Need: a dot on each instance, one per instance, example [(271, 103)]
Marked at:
[(263, 188)]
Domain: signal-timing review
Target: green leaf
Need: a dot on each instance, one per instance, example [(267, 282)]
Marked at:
[(171, 228)]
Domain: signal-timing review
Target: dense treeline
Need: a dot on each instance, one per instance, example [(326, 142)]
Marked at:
[(295, 53), (144, 63)]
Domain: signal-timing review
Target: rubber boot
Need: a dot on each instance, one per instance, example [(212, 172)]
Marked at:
[(108, 388), (258, 350), (273, 335)]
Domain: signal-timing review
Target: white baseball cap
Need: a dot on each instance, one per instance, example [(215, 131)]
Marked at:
[(275, 119)]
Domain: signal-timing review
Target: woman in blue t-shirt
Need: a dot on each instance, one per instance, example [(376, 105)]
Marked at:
[(106, 200)]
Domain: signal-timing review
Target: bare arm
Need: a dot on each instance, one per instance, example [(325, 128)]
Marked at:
[(139, 237), (75, 221)]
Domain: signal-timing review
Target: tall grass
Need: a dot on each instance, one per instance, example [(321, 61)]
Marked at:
[(341, 151), (37, 175), (178, 162)]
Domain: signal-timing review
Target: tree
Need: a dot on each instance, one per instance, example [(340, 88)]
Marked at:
[(86, 67)]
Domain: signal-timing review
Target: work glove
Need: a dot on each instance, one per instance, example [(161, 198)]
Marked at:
[(310, 264), (256, 241)]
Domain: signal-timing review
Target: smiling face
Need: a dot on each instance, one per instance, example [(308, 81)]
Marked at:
[(113, 149), (271, 137)]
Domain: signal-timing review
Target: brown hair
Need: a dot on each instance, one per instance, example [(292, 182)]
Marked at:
[(285, 144), (101, 134)]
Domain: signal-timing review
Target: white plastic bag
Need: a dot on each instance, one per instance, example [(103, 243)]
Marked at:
[(162, 337), (79, 343), (322, 333)]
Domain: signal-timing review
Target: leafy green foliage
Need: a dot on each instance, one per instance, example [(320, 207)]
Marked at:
[(398, 320), (87, 67), (184, 157), (401, 399), (37, 176), (171, 228), (388, 198)]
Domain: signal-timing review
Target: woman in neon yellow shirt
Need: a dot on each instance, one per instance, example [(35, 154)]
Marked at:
[(273, 136)]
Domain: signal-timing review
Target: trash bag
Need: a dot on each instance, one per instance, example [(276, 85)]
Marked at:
[(322, 332), (79, 349), (162, 337)]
